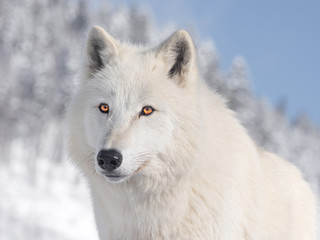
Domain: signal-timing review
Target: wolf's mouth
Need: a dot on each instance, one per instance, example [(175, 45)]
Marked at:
[(115, 178)]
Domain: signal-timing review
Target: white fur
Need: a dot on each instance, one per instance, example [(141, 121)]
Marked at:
[(190, 171)]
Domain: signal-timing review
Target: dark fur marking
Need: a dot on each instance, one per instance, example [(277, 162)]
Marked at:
[(97, 46), (180, 49)]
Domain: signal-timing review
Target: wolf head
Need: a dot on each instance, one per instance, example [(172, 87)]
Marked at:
[(135, 114)]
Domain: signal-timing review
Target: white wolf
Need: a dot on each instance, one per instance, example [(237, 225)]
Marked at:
[(166, 159)]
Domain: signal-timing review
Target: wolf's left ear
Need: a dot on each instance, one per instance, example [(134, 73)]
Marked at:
[(101, 49), (179, 54)]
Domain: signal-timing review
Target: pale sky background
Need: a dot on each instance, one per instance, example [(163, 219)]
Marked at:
[(278, 39)]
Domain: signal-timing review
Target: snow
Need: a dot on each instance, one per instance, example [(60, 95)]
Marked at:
[(43, 200)]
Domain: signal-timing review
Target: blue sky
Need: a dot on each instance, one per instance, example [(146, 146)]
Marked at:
[(280, 41)]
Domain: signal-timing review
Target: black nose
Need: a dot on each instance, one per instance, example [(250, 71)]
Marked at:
[(109, 159)]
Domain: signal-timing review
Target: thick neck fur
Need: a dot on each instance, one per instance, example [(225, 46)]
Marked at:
[(134, 212)]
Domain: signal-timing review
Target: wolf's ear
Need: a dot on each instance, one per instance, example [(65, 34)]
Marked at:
[(179, 54), (101, 49)]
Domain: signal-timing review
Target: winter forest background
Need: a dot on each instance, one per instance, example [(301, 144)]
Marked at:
[(41, 43)]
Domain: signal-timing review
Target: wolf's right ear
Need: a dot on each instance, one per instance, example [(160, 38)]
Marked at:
[(179, 54), (101, 49)]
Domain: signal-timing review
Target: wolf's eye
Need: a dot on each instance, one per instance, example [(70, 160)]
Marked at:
[(146, 110), (104, 108)]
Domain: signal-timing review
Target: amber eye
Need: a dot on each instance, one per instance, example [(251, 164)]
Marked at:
[(104, 108), (147, 110)]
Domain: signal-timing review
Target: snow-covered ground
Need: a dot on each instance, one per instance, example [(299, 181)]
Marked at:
[(43, 200)]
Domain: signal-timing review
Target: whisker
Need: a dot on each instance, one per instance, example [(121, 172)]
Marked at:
[(86, 144), (88, 156), (145, 156)]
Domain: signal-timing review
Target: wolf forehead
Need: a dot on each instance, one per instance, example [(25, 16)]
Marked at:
[(132, 75), (134, 71), (125, 83)]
